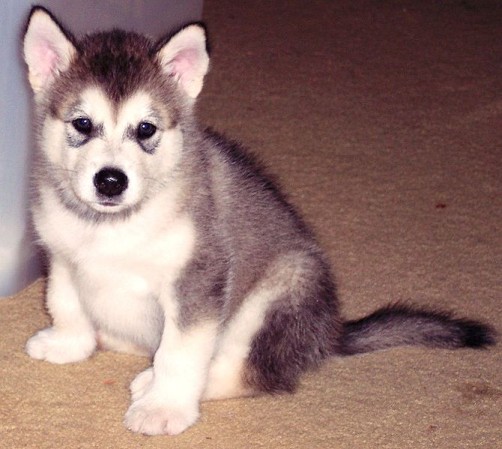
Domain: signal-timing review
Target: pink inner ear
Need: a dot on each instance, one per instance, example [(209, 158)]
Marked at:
[(185, 63), (47, 60)]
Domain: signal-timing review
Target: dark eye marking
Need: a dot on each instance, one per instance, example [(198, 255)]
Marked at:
[(83, 125), (145, 130)]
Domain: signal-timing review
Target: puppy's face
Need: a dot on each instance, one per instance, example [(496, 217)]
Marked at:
[(112, 107), (111, 156)]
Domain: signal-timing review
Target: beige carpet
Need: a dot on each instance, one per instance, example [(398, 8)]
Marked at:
[(383, 120)]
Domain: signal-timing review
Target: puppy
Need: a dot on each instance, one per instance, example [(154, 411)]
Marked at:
[(168, 240)]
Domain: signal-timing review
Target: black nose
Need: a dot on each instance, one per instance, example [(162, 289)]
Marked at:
[(110, 181)]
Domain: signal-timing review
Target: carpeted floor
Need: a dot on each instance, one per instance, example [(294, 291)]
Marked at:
[(383, 122)]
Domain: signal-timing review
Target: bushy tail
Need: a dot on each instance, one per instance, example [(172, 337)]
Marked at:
[(401, 325)]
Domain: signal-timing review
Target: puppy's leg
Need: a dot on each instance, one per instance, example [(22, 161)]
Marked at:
[(71, 337), (226, 377), (166, 397), (286, 325)]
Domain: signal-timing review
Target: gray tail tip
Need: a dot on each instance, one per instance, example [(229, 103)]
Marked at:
[(478, 335)]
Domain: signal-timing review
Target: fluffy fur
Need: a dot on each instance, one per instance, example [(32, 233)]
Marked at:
[(169, 240)]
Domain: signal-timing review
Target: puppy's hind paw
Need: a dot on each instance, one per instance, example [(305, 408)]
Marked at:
[(141, 383), (157, 419), (59, 346)]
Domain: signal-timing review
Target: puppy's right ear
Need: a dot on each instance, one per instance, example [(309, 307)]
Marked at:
[(48, 49)]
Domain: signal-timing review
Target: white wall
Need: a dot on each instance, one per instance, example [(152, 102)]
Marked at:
[(18, 260)]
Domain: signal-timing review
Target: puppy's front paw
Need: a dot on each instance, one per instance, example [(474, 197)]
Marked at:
[(141, 383), (153, 418), (60, 347)]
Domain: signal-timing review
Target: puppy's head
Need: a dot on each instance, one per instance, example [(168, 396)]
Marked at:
[(111, 109)]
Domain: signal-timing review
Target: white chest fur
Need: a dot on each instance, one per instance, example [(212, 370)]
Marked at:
[(119, 269)]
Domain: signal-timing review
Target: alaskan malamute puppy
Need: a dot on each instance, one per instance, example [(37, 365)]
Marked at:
[(168, 240)]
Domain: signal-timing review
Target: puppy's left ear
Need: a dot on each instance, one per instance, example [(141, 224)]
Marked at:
[(184, 57)]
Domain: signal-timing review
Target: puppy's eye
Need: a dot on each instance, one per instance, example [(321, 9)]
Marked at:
[(145, 130), (83, 125)]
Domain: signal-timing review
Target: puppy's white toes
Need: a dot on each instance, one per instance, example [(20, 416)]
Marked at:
[(152, 418), (60, 347), (141, 383)]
